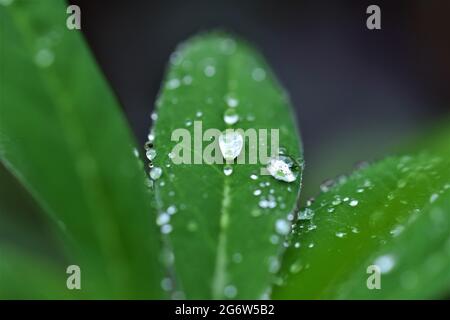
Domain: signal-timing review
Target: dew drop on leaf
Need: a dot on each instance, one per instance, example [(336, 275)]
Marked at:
[(230, 116)]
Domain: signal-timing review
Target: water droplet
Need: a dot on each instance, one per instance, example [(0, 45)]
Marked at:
[(282, 227), (188, 123), (336, 201), (253, 176), (175, 58), (353, 203), (274, 265), (306, 214), (151, 154), (166, 229), (162, 219), (274, 239), (44, 58), (297, 245), (230, 144), (326, 185), (227, 170), (295, 267), (397, 230), (230, 116), (155, 173), (230, 291), (171, 210), (257, 192), (360, 190), (166, 284), (187, 80), (173, 84), (281, 168), (232, 101), (258, 74), (209, 71), (237, 257), (228, 46), (433, 197), (199, 114), (340, 234), (386, 263), (401, 184), (154, 116), (311, 245)]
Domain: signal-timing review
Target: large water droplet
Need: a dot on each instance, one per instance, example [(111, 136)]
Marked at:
[(230, 144), (282, 168), (230, 116)]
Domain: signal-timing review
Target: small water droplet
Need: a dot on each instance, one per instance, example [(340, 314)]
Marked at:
[(306, 214), (282, 168), (282, 227), (353, 203), (295, 267), (173, 84), (209, 71), (162, 219), (166, 229), (44, 58), (397, 230), (230, 144), (230, 116), (199, 114), (386, 263), (231, 101), (253, 177), (401, 184), (297, 245), (154, 116), (257, 192), (166, 284), (340, 234), (188, 123), (433, 197), (230, 291), (258, 74), (155, 173), (187, 80), (237, 257), (326, 185), (227, 170), (192, 226), (151, 154), (171, 210)]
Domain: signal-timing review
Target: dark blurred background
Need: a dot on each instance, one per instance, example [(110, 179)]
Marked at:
[(358, 93)]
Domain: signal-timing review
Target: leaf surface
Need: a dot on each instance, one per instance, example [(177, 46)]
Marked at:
[(224, 241)]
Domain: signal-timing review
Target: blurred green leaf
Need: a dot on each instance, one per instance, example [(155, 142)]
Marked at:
[(394, 214), (64, 139), (27, 276), (225, 244)]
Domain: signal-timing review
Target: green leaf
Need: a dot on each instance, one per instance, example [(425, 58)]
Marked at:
[(394, 214), (224, 243), (64, 139), (28, 276)]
